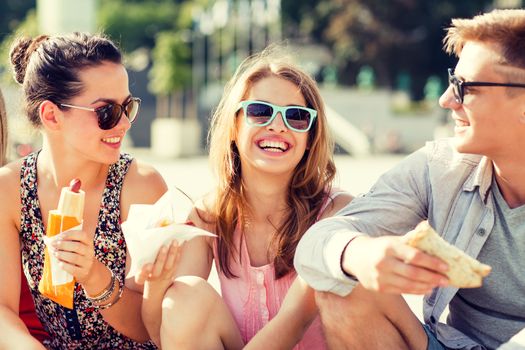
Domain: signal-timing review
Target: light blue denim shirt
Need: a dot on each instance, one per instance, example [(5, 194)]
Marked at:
[(436, 183)]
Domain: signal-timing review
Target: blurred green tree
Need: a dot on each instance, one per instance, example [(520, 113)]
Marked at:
[(164, 27), (28, 26), (135, 24), (391, 36), (12, 14), (171, 72)]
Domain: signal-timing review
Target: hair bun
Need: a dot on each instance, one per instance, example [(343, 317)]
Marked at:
[(21, 52)]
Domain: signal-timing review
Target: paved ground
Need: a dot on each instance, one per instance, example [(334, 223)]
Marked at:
[(193, 176)]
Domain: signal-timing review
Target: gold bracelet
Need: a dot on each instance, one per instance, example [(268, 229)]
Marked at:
[(116, 299)]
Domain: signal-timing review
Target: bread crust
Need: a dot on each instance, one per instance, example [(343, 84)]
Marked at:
[(463, 270)]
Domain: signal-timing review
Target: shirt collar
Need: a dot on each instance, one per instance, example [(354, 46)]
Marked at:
[(480, 178)]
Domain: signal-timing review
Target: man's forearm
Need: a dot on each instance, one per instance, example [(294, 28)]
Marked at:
[(318, 256)]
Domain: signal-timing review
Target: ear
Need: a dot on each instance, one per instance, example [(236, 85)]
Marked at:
[(49, 113)]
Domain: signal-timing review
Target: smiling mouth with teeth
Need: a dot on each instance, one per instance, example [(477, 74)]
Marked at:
[(112, 140), (459, 122), (274, 146)]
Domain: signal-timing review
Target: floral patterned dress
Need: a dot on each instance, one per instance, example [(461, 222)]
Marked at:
[(83, 327)]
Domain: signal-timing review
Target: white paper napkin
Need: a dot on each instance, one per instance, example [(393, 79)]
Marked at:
[(144, 237), (58, 275)]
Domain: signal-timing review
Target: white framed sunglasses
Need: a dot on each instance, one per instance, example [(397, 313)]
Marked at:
[(296, 118)]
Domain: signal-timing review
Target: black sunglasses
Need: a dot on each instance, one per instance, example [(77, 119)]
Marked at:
[(109, 115), (458, 85)]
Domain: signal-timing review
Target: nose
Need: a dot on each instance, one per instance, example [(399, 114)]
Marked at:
[(277, 124), (124, 122), (448, 100)]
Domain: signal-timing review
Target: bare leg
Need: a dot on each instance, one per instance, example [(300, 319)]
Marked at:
[(194, 316), (369, 320)]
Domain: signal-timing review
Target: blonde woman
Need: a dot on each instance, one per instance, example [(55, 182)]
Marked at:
[(272, 153)]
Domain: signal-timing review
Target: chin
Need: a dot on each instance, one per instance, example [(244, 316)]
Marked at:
[(461, 143), (109, 159), (466, 147)]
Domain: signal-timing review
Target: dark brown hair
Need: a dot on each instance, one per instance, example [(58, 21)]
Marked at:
[(48, 67), (505, 28)]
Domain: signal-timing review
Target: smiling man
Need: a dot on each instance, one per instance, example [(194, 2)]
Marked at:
[(470, 188)]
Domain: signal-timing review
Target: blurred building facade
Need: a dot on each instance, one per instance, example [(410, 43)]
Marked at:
[(64, 16)]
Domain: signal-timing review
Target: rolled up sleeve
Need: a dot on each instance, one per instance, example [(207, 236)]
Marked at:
[(394, 205), (318, 256)]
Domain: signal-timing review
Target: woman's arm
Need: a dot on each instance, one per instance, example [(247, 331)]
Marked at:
[(157, 278), (142, 185), (293, 319), (196, 259), (13, 332), (298, 309)]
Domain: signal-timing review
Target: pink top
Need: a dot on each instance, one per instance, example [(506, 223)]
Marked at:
[(255, 296)]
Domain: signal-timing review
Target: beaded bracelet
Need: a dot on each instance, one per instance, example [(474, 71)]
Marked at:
[(116, 299), (106, 293)]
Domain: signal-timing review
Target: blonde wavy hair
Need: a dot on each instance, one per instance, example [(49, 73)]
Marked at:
[(312, 178)]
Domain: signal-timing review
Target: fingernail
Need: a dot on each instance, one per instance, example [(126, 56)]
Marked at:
[(443, 282), (443, 267)]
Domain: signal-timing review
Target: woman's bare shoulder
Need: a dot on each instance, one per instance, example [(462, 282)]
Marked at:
[(143, 183), (10, 189), (10, 177), (338, 202)]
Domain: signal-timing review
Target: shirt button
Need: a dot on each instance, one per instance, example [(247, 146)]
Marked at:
[(481, 232), (260, 277), (432, 319)]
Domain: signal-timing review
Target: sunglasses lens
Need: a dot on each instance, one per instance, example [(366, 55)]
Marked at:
[(132, 109), (456, 88), (258, 113), (298, 118), (108, 116), (457, 91)]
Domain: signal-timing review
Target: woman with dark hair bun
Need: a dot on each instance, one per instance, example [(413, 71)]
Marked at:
[(76, 93)]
